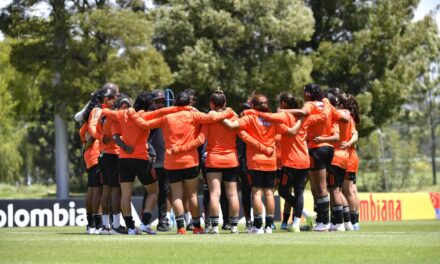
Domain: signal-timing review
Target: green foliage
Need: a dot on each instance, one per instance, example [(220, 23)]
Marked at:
[(372, 46), (11, 132), (241, 46)]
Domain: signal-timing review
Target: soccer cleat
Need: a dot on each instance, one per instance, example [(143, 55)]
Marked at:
[(337, 228), (147, 229), (320, 227), (332, 227), (348, 226), (234, 230), (268, 230), (356, 227), (255, 230), (213, 230), (284, 226), (190, 227), (90, 230), (134, 231), (104, 231), (198, 230), (98, 231), (249, 225), (181, 231), (120, 230), (226, 227), (163, 227)]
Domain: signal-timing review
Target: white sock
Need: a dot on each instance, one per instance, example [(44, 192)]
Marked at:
[(305, 213), (116, 220), (296, 221), (106, 220), (188, 218)]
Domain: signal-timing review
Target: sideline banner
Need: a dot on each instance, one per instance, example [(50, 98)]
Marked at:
[(392, 206)]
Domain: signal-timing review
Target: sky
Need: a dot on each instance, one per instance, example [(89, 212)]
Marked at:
[(425, 6)]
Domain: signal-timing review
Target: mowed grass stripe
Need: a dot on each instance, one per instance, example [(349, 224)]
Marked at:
[(392, 242)]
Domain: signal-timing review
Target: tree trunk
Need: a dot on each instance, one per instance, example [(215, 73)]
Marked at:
[(61, 157)]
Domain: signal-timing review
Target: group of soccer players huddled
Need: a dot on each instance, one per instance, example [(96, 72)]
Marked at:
[(256, 151)]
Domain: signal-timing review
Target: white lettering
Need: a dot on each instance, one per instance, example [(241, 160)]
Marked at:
[(81, 219), (18, 215), (10, 215), (3, 218), (60, 215), (72, 213), (41, 214)]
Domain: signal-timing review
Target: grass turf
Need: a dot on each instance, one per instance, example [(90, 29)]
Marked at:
[(386, 242)]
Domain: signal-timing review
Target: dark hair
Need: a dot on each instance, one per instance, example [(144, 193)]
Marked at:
[(352, 105), (314, 91), (182, 99), (335, 91), (143, 101), (192, 95), (123, 99), (288, 99), (332, 98), (259, 102), (218, 98), (96, 99)]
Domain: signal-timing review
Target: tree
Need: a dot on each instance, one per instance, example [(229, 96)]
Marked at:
[(79, 47), (241, 46), (371, 47)]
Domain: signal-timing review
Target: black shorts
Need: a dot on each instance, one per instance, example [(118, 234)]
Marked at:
[(293, 177), (321, 158), (228, 174), (279, 174), (335, 177), (182, 174), (109, 168), (263, 179), (351, 176), (130, 168), (94, 178)]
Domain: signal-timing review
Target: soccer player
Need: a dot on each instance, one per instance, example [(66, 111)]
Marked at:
[(91, 117), (340, 212), (349, 188), (262, 167), (133, 160), (221, 164), (179, 129), (295, 160), (320, 151)]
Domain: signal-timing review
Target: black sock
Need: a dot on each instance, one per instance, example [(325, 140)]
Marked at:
[(234, 221), (353, 217), (332, 217), (129, 221), (146, 217), (98, 220), (357, 217), (323, 206), (346, 211), (214, 220), (286, 216), (180, 220), (337, 212), (90, 220), (258, 221), (318, 215), (196, 222), (269, 220)]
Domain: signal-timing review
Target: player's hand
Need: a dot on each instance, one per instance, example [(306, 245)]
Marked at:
[(318, 140), (268, 151), (345, 145)]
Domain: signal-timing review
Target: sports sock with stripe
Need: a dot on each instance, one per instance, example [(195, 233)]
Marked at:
[(338, 214), (323, 206), (214, 220), (269, 220), (346, 211), (258, 221), (180, 221)]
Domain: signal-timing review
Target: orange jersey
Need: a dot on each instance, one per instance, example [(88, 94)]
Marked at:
[(221, 147), (353, 159), (324, 129), (264, 131), (294, 151), (105, 126), (340, 157), (91, 154), (180, 129), (134, 135)]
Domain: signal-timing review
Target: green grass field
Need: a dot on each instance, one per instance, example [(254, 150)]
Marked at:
[(390, 242)]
